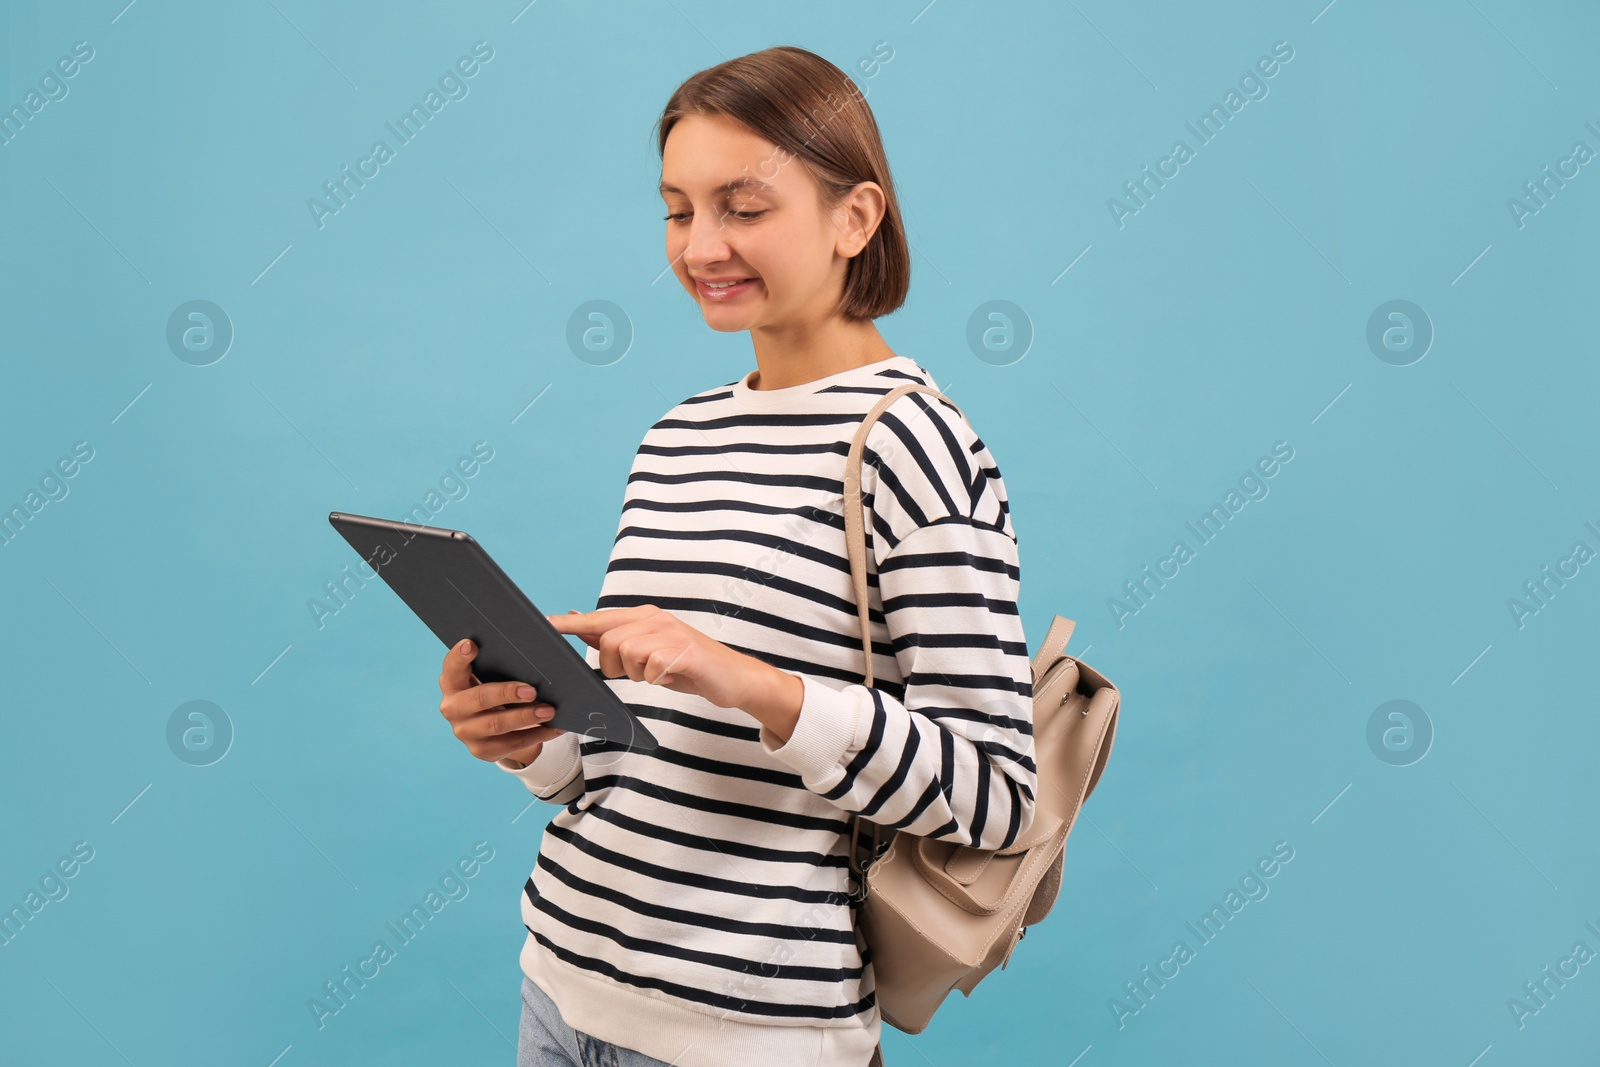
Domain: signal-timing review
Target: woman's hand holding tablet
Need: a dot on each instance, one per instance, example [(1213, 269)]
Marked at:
[(495, 720)]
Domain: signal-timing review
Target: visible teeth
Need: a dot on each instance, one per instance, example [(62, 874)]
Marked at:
[(724, 285)]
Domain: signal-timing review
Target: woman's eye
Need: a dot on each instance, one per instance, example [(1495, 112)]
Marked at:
[(742, 216)]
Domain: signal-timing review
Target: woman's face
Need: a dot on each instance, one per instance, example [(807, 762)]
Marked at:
[(739, 207)]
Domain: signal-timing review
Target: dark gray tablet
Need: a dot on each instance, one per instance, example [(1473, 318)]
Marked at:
[(449, 581)]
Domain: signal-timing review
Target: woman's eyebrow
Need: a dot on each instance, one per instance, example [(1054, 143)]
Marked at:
[(753, 184)]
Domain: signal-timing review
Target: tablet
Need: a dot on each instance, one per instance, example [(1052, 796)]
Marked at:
[(452, 585)]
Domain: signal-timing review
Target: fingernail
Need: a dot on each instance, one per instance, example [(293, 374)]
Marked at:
[(464, 647), (525, 692), (546, 711)]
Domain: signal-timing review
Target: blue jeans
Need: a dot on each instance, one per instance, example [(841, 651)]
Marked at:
[(545, 1040)]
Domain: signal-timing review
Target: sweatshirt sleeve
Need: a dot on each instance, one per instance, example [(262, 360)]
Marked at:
[(954, 757), (556, 774)]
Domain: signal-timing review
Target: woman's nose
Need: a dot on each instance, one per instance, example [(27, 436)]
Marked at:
[(707, 241)]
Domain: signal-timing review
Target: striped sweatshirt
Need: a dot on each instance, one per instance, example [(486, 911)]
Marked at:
[(692, 902)]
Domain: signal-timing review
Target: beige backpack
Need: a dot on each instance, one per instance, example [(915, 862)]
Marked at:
[(937, 915)]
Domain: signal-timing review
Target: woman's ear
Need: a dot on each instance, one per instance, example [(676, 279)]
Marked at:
[(862, 211)]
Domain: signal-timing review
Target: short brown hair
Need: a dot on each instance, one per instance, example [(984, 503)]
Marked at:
[(810, 108)]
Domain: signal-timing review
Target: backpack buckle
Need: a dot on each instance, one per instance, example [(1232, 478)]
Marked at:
[(859, 869)]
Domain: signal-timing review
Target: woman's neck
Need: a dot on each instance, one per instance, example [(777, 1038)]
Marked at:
[(790, 359)]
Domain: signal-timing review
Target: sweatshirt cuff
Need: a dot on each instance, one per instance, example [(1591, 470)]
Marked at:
[(824, 734), (554, 767)]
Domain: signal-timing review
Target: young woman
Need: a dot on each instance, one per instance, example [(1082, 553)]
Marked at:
[(693, 904)]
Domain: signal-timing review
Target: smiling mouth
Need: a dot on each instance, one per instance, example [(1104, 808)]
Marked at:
[(726, 290)]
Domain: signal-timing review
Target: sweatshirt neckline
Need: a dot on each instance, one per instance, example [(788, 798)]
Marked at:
[(774, 398)]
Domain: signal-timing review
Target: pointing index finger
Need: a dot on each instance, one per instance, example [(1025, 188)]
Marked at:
[(563, 622)]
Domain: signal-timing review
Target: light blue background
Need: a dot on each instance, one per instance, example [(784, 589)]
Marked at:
[(1228, 314)]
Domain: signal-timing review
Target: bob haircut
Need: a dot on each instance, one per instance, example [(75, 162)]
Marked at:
[(812, 110)]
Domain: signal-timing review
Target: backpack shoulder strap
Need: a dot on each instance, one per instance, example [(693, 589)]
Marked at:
[(1055, 642), (854, 512), (855, 540)]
